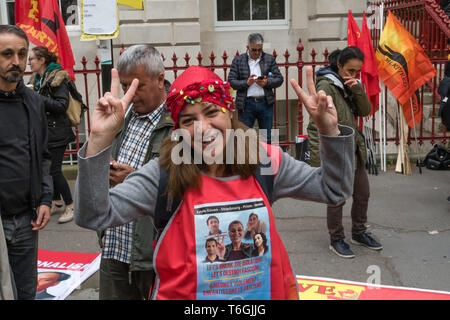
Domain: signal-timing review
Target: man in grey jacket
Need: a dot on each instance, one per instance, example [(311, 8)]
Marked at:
[(126, 268)]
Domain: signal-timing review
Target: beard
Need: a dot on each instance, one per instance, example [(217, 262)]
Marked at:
[(13, 75)]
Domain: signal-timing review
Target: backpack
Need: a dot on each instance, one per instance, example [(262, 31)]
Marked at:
[(76, 105), (438, 158)]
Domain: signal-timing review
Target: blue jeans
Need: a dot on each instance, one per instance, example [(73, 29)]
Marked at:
[(22, 244), (258, 111)]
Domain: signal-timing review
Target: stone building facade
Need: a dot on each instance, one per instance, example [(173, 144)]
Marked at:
[(206, 26)]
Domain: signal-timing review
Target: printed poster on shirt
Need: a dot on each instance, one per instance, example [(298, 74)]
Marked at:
[(60, 273), (233, 250)]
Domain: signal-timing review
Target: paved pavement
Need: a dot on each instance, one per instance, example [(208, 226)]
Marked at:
[(410, 215)]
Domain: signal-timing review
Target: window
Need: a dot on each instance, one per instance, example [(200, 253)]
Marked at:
[(251, 12), (69, 11), (6, 11)]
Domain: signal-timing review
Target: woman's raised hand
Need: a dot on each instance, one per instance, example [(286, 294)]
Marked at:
[(319, 106), (109, 114)]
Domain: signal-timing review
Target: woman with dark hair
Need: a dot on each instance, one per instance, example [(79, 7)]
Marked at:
[(259, 244), (338, 80), (50, 80), (202, 108)]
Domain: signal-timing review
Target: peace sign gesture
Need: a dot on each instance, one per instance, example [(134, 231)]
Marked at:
[(109, 114), (319, 106)]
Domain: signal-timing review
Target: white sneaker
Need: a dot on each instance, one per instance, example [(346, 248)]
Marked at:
[(56, 208), (66, 216)]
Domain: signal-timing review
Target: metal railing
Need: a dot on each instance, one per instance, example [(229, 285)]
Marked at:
[(424, 19)]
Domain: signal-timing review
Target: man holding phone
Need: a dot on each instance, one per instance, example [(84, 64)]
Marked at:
[(254, 75)]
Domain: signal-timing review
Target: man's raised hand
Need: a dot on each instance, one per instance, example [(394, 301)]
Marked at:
[(109, 114)]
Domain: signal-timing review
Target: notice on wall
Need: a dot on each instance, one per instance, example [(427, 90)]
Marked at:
[(99, 19)]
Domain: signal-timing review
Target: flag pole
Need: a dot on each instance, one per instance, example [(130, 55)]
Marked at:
[(399, 164), (382, 107), (419, 162)]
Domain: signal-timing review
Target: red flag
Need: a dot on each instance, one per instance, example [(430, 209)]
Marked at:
[(42, 22), (369, 71), (353, 32)]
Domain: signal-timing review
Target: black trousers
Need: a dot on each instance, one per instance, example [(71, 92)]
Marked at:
[(60, 186)]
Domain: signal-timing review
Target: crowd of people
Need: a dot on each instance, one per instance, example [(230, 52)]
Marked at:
[(159, 219)]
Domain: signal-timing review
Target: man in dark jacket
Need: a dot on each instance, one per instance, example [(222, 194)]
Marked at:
[(254, 75), (25, 183), (126, 268)]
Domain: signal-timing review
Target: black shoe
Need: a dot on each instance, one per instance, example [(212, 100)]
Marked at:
[(342, 249), (366, 241)]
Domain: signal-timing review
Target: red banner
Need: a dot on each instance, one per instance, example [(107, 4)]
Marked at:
[(315, 288), (44, 26), (369, 71)]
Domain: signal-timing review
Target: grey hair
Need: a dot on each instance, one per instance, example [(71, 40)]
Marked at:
[(138, 55), (255, 38)]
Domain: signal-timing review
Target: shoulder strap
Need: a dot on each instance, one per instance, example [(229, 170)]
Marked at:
[(165, 206), (265, 181), (73, 90)]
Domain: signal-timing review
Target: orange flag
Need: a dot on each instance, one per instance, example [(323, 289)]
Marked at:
[(403, 66)]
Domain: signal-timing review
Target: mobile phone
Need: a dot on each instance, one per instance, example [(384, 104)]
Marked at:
[(260, 78), (111, 166)]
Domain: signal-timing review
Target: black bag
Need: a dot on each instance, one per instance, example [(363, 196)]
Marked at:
[(438, 158)]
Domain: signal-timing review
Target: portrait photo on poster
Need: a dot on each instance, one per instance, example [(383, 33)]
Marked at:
[(233, 250)]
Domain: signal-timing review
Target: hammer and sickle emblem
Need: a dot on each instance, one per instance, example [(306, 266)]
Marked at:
[(34, 10)]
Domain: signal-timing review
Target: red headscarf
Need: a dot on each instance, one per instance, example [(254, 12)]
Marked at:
[(198, 84)]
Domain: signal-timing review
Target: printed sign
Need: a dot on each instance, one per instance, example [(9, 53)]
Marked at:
[(59, 273), (233, 250), (315, 288), (99, 19)]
